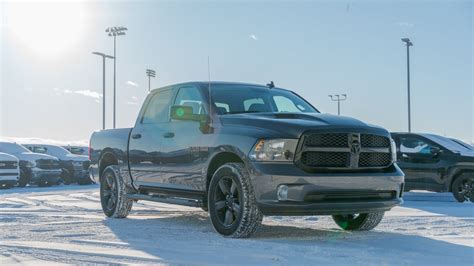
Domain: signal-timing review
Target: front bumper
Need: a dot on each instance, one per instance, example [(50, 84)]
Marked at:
[(324, 193), (9, 175), (50, 175)]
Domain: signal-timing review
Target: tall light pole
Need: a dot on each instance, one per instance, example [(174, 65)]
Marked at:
[(103, 84), (114, 32), (151, 74), (408, 44), (339, 99)]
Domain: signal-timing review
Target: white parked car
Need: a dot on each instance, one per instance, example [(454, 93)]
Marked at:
[(9, 170)]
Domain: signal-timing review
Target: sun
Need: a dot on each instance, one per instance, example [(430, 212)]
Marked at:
[(47, 29)]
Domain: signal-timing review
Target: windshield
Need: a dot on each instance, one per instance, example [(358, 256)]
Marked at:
[(463, 143), (233, 99), (12, 148), (448, 143), (56, 151)]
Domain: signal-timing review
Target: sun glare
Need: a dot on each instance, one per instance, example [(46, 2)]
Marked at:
[(47, 29)]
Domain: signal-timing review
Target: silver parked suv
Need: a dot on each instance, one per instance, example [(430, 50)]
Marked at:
[(9, 170)]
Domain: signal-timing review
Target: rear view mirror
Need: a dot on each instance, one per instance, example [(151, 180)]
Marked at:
[(183, 112)]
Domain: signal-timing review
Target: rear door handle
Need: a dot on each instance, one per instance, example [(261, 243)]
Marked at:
[(136, 136), (168, 135)]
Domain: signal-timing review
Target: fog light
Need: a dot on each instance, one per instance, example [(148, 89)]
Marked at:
[(282, 192)]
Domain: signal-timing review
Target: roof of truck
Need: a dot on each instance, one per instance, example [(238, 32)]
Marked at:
[(206, 83)]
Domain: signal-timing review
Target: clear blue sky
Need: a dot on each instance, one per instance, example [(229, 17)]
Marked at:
[(51, 83)]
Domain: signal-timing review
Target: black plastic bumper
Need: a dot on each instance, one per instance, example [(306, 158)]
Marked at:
[(325, 208)]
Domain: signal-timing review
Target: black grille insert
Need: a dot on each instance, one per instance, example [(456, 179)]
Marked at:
[(326, 159), (374, 159), (344, 151), (8, 165), (374, 141), (327, 140)]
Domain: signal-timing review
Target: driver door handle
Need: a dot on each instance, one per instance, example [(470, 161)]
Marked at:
[(168, 135), (136, 136)]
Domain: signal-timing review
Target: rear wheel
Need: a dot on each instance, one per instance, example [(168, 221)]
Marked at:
[(113, 194), (463, 187), (358, 222), (232, 206)]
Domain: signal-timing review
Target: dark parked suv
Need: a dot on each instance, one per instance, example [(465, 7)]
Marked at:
[(75, 167), (436, 163), (241, 151)]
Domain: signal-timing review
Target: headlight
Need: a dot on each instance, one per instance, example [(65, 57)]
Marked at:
[(29, 164), (77, 163), (274, 150), (393, 149)]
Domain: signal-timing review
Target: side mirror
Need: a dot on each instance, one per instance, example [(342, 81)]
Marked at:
[(185, 113)]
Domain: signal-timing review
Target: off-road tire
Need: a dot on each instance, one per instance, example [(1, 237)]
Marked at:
[(361, 222), (460, 187), (122, 205), (248, 218)]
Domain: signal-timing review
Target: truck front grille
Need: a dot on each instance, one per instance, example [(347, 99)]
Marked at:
[(47, 164), (8, 165), (344, 151)]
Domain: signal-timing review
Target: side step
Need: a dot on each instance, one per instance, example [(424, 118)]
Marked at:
[(177, 201)]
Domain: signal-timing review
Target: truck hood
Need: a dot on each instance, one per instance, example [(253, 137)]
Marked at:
[(7, 157), (32, 157), (76, 158), (294, 124)]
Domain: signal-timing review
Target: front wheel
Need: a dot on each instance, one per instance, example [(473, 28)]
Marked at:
[(232, 206), (463, 187), (358, 222), (113, 194)]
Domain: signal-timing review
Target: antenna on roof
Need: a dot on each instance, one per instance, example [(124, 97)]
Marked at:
[(271, 85)]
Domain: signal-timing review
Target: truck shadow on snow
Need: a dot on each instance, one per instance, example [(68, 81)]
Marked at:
[(189, 238)]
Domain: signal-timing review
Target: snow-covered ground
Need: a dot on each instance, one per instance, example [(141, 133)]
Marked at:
[(65, 225)]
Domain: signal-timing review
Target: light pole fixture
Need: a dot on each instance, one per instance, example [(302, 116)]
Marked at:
[(151, 74), (338, 98), (408, 44), (103, 84), (114, 32)]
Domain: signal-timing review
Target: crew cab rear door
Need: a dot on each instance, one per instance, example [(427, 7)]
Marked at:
[(146, 138)]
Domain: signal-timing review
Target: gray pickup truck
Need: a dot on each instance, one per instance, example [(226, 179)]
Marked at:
[(242, 151)]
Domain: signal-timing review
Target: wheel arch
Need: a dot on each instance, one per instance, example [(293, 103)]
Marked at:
[(107, 158), (458, 173), (217, 161)]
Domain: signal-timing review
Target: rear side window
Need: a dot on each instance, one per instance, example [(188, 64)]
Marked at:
[(158, 108), (414, 145)]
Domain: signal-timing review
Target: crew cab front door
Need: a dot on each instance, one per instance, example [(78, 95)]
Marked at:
[(421, 161), (146, 139), (181, 158)]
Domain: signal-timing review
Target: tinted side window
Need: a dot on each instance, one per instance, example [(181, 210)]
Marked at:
[(414, 145), (158, 108), (190, 96)]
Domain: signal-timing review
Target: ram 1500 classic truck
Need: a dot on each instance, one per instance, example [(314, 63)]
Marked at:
[(241, 151)]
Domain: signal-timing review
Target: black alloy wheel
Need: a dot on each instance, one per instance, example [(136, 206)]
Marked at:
[(463, 188), (109, 194), (227, 202)]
